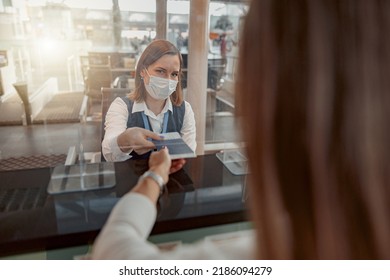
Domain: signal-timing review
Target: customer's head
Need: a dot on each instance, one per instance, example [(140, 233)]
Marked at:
[(154, 52), (313, 94)]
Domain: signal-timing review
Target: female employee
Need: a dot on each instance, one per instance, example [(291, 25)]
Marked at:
[(314, 104), (155, 106)]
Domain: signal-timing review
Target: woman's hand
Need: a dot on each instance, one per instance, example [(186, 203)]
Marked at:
[(160, 162), (135, 138), (176, 165)]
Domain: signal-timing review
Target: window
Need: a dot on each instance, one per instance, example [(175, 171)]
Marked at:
[(47, 45)]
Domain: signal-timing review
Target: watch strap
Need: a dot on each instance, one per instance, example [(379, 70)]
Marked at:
[(157, 178)]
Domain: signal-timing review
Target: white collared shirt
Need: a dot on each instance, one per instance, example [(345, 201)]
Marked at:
[(155, 121), (116, 123)]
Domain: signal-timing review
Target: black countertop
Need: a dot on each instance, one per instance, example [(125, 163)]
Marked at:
[(204, 193)]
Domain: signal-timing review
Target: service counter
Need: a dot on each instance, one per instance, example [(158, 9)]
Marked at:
[(204, 193)]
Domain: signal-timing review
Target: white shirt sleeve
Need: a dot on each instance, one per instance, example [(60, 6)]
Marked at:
[(115, 124), (130, 223), (124, 235), (188, 131)]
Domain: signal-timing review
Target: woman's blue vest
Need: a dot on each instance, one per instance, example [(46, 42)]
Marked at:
[(175, 121)]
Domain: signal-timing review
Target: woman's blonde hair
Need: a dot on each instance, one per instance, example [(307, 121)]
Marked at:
[(153, 52), (313, 93)]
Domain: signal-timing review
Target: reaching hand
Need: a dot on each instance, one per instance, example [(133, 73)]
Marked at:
[(160, 162)]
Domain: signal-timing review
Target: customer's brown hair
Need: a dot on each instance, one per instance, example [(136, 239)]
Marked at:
[(313, 93)]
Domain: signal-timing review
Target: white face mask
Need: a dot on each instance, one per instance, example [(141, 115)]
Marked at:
[(160, 88)]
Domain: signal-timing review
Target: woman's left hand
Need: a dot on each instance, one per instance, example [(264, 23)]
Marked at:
[(176, 165)]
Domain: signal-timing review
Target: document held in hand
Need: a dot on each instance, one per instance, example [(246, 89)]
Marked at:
[(176, 145)]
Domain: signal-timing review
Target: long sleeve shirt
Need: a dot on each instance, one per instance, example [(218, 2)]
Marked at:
[(125, 234), (116, 123)]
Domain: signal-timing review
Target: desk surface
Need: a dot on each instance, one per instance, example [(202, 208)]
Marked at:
[(203, 194)]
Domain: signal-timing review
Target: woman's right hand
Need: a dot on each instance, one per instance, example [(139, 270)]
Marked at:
[(159, 163), (136, 138)]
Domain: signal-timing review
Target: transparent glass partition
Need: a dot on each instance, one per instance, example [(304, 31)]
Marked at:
[(224, 28), (65, 51)]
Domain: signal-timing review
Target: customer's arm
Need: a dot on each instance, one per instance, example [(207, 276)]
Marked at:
[(125, 233), (159, 163)]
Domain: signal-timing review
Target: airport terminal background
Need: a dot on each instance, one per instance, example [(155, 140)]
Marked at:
[(57, 55), (66, 52)]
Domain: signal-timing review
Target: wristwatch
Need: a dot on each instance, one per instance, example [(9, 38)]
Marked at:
[(157, 178)]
